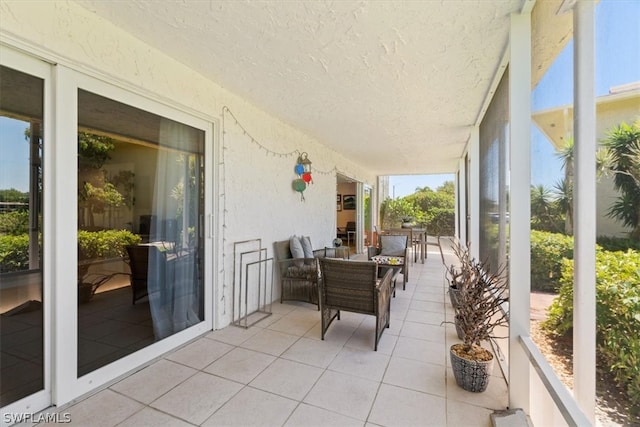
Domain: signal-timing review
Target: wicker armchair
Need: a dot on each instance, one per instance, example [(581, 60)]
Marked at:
[(354, 286), (298, 276), (142, 259), (395, 245)]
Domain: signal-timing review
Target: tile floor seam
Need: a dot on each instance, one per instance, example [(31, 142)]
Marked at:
[(375, 398), (422, 286), (302, 400), (146, 406), (244, 386)]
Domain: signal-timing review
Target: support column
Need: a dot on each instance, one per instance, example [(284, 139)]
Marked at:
[(474, 192), (584, 211), (520, 208)]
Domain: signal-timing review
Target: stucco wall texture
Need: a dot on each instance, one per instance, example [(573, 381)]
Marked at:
[(252, 194)]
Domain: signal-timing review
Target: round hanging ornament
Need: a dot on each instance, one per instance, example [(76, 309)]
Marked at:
[(299, 186), (303, 170), (306, 177)]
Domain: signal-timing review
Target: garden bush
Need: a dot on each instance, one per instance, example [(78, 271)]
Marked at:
[(105, 243), (440, 222), (617, 315), (547, 252), (618, 243), (14, 222), (14, 250), (14, 253)]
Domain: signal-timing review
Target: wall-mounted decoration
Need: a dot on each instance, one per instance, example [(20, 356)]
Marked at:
[(303, 170), (349, 202), (339, 202)]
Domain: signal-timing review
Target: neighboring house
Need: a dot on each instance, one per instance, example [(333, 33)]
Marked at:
[(621, 104)]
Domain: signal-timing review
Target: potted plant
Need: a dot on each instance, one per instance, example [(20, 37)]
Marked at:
[(95, 247), (479, 297), (407, 221)]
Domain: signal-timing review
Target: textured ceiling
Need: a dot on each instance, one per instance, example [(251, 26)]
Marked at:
[(394, 85)]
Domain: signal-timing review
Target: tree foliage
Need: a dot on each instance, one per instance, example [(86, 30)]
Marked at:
[(547, 213), (622, 148), (93, 150), (434, 210), (13, 195), (619, 157), (96, 192)]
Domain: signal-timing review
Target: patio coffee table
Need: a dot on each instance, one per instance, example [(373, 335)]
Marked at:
[(396, 264)]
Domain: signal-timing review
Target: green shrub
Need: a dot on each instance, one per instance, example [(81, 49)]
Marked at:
[(617, 315), (14, 250), (14, 222), (105, 243), (14, 253), (440, 221), (547, 252), (618, 243)]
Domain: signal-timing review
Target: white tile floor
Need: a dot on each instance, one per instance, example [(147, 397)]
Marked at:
[(279, 372)]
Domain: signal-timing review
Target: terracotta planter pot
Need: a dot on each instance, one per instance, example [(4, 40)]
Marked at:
[(471, 375)]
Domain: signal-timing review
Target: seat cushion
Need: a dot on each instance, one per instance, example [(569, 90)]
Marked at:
[(306, 246), (393, 245), (295, 246)]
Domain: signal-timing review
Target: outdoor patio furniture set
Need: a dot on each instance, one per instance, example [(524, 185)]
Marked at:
[(337, 284)]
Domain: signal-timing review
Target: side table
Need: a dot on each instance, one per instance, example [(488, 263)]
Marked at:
[(395, 263), (343, 252)]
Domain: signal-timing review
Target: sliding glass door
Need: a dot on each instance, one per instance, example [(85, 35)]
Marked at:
[(24, 301), (140, 198), (137, 196), (105, 226)]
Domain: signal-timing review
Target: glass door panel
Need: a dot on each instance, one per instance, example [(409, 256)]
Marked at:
[(21, 265), (140, 229)]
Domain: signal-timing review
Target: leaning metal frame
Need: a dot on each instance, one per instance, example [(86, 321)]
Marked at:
[(264, 303)]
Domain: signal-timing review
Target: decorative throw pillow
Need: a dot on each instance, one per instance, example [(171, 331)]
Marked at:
[(306, 246), (393, 245), (295, 246)]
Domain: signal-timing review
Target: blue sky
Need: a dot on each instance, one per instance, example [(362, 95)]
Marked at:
[(403, 185), (617, 62), (14, 155)]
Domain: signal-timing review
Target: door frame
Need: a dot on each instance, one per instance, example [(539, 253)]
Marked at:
[(44, 70), (68, 386)]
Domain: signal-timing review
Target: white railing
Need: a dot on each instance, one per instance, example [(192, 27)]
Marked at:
[(561, 396)]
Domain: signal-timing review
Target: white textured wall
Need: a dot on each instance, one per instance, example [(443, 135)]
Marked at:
[(256, 183)]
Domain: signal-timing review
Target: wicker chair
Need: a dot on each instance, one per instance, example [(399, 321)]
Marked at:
[(354, 286), (298, 276), (396, 245), (139, 263)]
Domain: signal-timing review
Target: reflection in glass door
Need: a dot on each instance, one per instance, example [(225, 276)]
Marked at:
[(140, 229), (21, 264), (369, 238)]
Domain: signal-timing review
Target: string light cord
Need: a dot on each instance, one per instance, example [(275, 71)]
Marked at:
[(268, 151)]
